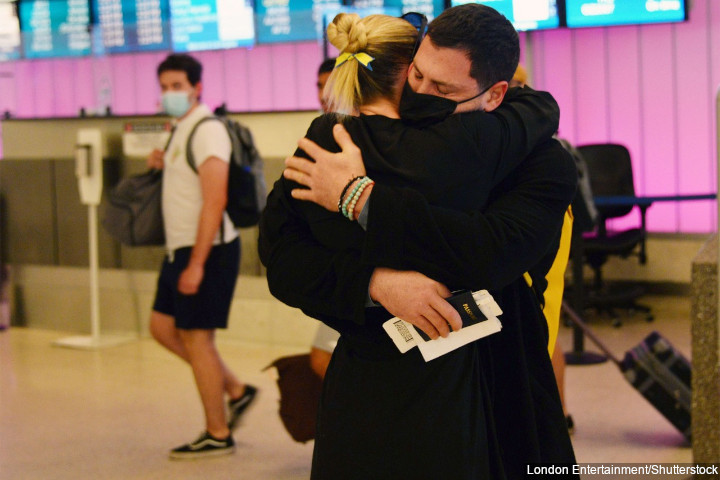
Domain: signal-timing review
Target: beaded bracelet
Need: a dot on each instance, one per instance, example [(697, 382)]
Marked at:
[(350, 196), (351, 201), (356, 197), (344, 191)]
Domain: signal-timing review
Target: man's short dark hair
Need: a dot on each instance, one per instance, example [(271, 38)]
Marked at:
[(490, 40), (326, 66), (180, 62)]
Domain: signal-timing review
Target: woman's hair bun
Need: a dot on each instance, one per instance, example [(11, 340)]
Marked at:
[(347, 33)]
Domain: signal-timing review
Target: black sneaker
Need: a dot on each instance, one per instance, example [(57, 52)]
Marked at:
[(205, 446), (238, 406)]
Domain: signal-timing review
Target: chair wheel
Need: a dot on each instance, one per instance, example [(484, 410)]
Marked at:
[(617, 323)]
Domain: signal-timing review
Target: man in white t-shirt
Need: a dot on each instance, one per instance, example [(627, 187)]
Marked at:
[(198, 275)]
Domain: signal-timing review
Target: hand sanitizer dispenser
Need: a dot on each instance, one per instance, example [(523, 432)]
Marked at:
[(88, 165), (88, 170)]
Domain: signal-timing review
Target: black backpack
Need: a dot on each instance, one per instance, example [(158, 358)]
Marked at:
[(247, 192)]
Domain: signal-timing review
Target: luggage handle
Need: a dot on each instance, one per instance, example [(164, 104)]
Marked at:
[(583, 326)]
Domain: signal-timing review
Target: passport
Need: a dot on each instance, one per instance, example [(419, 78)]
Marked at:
[(466, 306), (478, 311)]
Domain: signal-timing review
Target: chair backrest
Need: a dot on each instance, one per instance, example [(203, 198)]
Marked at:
[(610, 171)]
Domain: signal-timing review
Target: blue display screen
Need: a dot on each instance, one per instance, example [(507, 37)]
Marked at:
[(55, 28), (368, 7), (524, 14), (211, 24), (597, 13), (131, 25), (430, 8), (9, 32), (291, 20), (363, 8)]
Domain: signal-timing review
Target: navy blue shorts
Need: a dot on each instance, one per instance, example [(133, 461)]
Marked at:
[(210, 306)]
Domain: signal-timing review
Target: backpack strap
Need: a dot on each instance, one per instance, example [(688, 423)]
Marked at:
[(165, 148), (188, 147), (191, 161), (172, 134)]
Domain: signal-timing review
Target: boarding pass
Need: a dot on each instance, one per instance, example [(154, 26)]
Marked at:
[(478, 311)]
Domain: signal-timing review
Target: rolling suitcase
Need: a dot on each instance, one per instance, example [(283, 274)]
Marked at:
[(656, 370)]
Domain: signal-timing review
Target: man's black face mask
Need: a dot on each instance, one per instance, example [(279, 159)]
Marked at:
[(421, 110)]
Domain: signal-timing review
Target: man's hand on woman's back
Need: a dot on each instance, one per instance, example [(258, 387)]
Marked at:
[(329, 173)]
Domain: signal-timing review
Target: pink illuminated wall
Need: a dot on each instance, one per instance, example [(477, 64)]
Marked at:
[(649, 87), (279, 77)]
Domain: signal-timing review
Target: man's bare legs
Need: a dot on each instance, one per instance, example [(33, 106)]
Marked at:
[(162, 328), (319, 361), (207, 368)]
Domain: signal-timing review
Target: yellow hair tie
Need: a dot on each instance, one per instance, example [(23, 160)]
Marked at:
[(363, 58)]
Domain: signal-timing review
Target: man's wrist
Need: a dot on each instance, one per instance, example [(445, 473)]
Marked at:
[(197, 259), (350, 201), (344, 194), (361, 213), (374, 290), (354, 196)]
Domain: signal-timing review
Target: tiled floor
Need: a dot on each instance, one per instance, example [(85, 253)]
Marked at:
[(115, 413)]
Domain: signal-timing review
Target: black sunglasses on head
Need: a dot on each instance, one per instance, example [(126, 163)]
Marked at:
[(420, 22)]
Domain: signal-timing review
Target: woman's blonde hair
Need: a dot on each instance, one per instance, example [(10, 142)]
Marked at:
[(388, 40)]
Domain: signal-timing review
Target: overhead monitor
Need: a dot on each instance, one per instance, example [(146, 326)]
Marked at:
[(361, 7), (131, 25), (55, 28), (9, 31), (601, 13), (290, 20), (211, 24), (524, 14), (430, 8)]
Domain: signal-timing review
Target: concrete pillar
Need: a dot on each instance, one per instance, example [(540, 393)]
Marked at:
[(705, 361)]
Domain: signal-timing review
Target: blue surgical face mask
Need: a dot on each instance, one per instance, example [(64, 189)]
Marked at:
[(176, 103)]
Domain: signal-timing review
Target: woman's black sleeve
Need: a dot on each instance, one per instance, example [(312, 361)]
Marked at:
[(301, 271)]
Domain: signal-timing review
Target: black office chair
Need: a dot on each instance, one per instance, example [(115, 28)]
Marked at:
[(585, 217), (610, 173)]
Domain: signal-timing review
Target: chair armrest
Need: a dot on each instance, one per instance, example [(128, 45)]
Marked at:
[(621, 200)]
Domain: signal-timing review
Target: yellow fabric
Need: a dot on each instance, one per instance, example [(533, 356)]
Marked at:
[(556, 282), (521, 75), (528, 279), (361, 57)]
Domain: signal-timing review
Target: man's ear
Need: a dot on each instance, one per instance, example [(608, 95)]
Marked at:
[(198, 90), (495, 95)]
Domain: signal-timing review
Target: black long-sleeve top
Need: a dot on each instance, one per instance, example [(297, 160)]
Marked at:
[(427, 208)]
